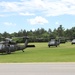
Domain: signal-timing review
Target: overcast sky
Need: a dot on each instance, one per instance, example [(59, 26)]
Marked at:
[(33, 14)]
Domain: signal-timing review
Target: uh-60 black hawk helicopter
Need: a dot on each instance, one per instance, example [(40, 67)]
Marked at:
[(7, 46)]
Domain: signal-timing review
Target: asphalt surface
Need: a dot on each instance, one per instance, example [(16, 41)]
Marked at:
[(37, 69)]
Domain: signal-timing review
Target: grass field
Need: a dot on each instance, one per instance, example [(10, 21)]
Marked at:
[(42, 53)]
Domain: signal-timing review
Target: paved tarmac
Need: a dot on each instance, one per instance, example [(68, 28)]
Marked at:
[(37, 69)]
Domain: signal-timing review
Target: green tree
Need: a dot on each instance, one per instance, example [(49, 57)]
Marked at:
[(60, 31), (5, 34)]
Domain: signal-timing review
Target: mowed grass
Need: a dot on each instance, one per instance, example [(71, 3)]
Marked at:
[(42, 53)]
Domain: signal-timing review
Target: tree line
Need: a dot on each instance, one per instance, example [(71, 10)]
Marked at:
[(42, 35)]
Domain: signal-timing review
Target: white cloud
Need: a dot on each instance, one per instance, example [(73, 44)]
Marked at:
[(57, 23), (9, 6), (45, 7), (1, 15), (6, 15), (9, 24), (26, 14), (38, 20), (33, 29)]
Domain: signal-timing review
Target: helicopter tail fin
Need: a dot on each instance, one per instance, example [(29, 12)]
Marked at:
[(26, 42)]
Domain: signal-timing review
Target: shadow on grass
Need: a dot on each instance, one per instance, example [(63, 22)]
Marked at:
[(6, 54)]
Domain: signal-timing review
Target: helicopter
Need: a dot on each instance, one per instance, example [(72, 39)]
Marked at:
[(8, 45)]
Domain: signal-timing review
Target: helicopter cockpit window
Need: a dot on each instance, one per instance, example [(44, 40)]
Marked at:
[(2, 46)]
